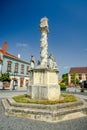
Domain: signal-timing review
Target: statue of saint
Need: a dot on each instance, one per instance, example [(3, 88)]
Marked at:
[(44, 25), (38, 63), (52, 62), (51, 59), (44, 22), (32, 62)]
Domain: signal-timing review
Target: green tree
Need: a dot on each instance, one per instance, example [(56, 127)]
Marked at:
[(65, 78), (5, 77), (74, 79)]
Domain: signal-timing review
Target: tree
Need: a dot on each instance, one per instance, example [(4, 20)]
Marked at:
[(74, 79), (5, 77), (65, 78)]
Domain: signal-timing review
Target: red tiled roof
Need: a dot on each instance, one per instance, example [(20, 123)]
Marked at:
[(78, 70), (1, 50), (12, 56)]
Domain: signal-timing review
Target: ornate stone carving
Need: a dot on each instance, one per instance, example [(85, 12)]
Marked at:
[(32, 62), (43, 42), (44, 79), (51, 62), (44, 24), (38, 64)]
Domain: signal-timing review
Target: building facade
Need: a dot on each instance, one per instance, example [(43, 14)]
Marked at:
[(81, 73), (16, 67)]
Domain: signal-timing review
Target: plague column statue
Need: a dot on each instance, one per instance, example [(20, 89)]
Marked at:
[(43, 42), (44, 79)]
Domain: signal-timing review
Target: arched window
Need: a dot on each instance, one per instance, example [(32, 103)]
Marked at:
[(80, 76), (86, 76), (16, 68), (22, 69), (27, 69), (9, 66)]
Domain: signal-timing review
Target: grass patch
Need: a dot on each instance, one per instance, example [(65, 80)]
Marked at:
[(64, 98), (68, 98)]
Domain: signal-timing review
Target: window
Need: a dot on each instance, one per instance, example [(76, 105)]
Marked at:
[(80, 76), (71, 76), (16, 67), (27, 69), (86, 76), (9, 65), (22, 69)]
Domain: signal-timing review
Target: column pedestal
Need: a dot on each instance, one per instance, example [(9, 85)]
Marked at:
[(44, 84)]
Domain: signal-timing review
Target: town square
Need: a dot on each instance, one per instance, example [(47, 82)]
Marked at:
[(43, 69)]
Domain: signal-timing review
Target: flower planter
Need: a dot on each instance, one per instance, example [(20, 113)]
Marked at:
[(6, 84)]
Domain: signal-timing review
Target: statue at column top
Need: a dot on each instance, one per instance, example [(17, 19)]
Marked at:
[(44, 22)]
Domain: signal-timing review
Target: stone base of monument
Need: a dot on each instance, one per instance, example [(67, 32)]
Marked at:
[(44, 84), (44, 92), (48, 113)]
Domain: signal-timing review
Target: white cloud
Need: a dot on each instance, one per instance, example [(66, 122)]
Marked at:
[(21, 44), (66, 67)]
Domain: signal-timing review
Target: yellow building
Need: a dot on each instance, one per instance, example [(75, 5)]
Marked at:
[(81, 73)]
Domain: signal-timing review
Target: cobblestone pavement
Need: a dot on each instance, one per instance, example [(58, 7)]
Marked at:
[(10, 93), (16, 123)]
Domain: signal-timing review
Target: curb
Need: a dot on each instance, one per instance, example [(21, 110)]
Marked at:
[(48, 113)]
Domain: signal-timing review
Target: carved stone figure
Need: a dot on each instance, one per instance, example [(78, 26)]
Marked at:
[(44, 22), (38, 63), (32, 62), (51, 61)]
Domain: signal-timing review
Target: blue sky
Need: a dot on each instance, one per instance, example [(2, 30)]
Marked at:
[(67, 39)]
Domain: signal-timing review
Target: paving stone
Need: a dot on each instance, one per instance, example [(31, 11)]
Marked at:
[(16, 123)]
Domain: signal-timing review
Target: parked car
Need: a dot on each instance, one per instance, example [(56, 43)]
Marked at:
[(83, 84)]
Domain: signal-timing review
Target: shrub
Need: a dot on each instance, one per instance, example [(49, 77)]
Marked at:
[(62, 86), (5, 77)]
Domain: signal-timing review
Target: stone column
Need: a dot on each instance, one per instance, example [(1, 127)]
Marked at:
[(43, 42)]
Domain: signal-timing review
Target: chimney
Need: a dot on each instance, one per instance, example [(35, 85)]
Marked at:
[(5, 47), (19, 55)]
